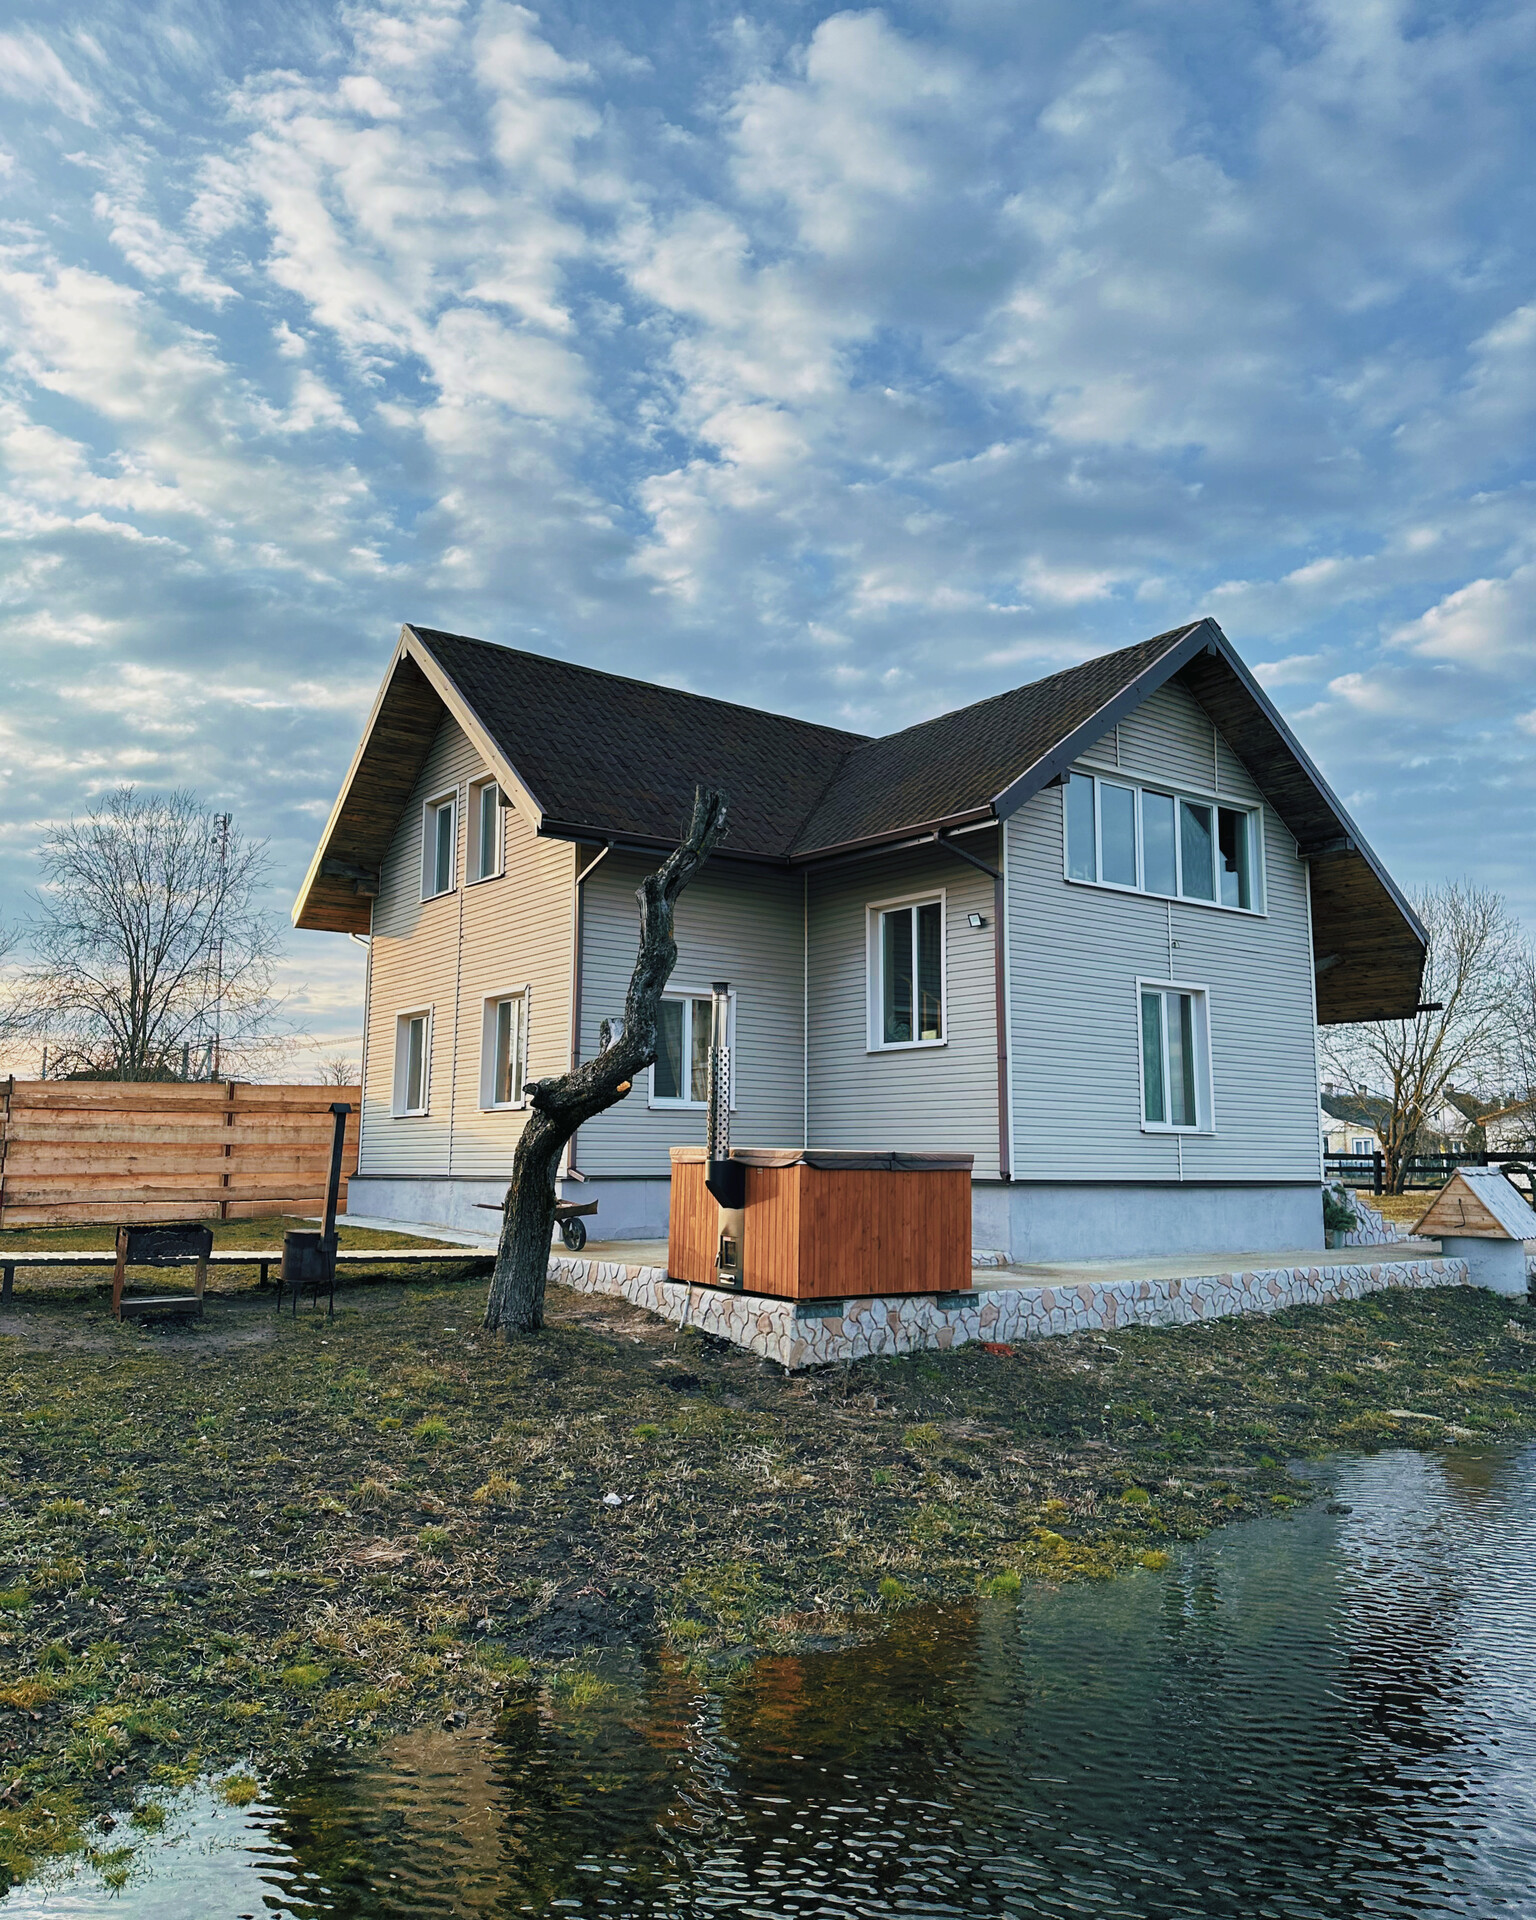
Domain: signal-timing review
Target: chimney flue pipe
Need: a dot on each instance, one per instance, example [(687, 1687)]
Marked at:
[(726, 1180)]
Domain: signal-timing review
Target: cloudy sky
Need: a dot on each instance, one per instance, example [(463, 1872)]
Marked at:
[(858, 364)]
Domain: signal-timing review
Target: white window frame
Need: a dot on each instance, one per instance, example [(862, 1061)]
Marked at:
[(1205, 1079), (449, 797), (1139, 787), (402, 1065), (874, 961), (661, 1102), (488, 1101), (477, 792)]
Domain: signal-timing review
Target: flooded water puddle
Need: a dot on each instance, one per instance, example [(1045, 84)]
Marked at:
[(1326, 1713)]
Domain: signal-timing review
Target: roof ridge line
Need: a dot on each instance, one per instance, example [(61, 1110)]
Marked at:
[(631, 680)]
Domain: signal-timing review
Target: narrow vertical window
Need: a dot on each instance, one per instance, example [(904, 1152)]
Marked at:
[(1154, 1106), (438, 837), (1236, 863), (930, 971), (1159, 866), (1082, 863), (1179, 1015), (1117, 829), (411, 1060), (896, 944), (1195, 851), (487, 830), (1175, 1072), (698, 1050), (667, 1074)]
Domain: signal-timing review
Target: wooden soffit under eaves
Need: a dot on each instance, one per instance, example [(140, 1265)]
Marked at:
[(1368, 949), (388, 766)]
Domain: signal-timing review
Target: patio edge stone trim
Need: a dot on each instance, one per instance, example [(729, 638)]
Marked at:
[(821, 1333)]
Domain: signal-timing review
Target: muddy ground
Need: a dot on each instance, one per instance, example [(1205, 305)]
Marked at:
[(247, 1542)]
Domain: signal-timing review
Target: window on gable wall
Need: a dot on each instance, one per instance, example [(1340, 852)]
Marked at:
[(1175, 1058), (907, 974), (1121, 834), (412, 1061), (438, 842), (503, 1050), (485, 830)]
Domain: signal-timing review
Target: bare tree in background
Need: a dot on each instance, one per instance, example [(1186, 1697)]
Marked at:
[(338, 1071), (150, 955), (1471, 972), (561, 1105)]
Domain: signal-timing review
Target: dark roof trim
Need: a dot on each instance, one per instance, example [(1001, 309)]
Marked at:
[(1060, 757)]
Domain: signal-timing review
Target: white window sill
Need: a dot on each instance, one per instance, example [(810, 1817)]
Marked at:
[(446, 894), (1178, 899), (478, 881), (906, 1046), (410, 1113), (503, 1106), (1153, 1126)]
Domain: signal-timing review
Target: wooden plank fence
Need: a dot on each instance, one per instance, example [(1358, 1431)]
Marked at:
[(77, 1151)]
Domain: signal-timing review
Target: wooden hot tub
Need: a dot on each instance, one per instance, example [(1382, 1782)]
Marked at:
[(822, 1224)]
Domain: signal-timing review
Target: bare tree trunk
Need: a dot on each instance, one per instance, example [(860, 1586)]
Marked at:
[(561, 1105)]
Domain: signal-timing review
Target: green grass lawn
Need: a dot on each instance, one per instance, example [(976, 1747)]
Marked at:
[(258, 1540)]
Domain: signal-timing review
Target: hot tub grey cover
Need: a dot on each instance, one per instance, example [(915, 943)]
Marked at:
[(846, 1159)]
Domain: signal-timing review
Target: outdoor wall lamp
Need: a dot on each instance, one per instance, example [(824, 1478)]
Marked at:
[(976, 919)]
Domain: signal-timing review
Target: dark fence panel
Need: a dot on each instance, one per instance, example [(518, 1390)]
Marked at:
[(1427, 1172)]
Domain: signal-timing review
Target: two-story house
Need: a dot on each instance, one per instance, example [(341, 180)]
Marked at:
[(1080, 930)]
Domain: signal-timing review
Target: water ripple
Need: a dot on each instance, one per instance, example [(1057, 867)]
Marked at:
[(1316, 1717)]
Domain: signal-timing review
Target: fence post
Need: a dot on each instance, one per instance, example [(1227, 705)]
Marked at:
[(1376, 1175), (5, 1146)]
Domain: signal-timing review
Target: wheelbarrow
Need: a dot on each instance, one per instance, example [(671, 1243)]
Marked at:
[(568, 1218)]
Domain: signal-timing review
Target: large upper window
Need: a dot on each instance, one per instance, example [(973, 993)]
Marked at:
[(503, 1050), (680, 1076), (1175, 1058), (1122, 835), (413, 1061), (485, 831), (439, 842), (907, 974)]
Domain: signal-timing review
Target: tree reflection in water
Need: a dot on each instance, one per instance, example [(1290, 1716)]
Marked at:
[(1318, 1714)]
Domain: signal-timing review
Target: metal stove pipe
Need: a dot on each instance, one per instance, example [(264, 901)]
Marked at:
[(725, 1178)]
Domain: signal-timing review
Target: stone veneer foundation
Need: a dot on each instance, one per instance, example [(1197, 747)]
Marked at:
[(820, 1333)]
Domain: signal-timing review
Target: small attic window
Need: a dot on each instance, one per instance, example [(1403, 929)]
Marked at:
[(439, 843), (485, 830)]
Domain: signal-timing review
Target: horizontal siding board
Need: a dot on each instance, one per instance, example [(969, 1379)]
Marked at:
[(1075, 955), (941, 1099), (742, 924)]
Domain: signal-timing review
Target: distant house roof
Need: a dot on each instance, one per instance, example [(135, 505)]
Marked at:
[(1356, 1109), (594, 757)]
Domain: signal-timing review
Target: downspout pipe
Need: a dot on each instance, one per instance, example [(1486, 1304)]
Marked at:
[(578, 922), (1000, 995)]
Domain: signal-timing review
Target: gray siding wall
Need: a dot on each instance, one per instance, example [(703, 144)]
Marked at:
[(508, 934), (736, 923), (1076, 951), (926, 1099)]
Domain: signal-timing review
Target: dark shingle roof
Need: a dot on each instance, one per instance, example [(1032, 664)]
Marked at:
[(622, 757), (959, 763)]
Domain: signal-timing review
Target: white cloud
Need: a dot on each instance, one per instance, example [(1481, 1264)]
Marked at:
[(1487, 624), (30, 71)]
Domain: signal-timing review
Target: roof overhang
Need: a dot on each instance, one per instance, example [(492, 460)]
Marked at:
[(1368, 945), (343, 879)]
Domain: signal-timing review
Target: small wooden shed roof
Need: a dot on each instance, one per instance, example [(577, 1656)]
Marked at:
[(593, 757), (1480, 1203)]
